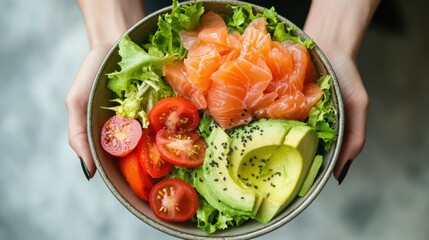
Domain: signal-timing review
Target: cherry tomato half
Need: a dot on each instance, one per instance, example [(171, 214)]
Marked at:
[(173, 200), (174, 113), (140, 182), (119, 135), (181, 149), (150, 158)]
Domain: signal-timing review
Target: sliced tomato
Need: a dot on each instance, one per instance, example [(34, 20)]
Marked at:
[(150, 157), (140, 182), (174, 113), (181, 149), (173, 200), (119, 135)]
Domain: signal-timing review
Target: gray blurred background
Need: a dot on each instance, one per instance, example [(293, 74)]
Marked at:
[(44, 194)]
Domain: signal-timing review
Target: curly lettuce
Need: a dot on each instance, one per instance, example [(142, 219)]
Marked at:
[(243, 15), (181, 18), (138, 85), (323, 116), (211, 220)]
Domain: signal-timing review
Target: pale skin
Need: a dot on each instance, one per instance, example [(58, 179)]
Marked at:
[(337, 26)]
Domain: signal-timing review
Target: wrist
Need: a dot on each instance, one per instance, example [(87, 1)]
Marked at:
[(338, 25), (107, 20)]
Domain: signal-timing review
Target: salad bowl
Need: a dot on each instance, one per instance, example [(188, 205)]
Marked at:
[(108, 168)]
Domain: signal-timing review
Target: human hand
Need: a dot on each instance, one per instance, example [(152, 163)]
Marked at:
[(76, 104), (105, 22), (356, 103), (338, 27)]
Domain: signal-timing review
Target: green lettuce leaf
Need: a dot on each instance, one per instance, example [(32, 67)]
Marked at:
[(283, 33), (138, 85), (323, 115), (211, 220), (182, 17), (136, 64), (205, 126), (182, 173), (243, 15)]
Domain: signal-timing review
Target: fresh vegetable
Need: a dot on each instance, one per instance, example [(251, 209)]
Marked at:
[(312, 173), (119, 135), (243, 15), (173, 200), (138, 85), (175, 114), (181, 149), (150, 157), (210, 219), (181, 18), (322, 117), (140, 182)]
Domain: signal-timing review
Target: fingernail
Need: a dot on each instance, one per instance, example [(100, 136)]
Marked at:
[(344, 171), (85, 169)]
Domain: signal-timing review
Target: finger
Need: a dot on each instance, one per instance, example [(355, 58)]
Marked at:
[(356, 111), (78, 138)]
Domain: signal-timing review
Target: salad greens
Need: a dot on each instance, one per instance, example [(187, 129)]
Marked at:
[(323, 115), (182, 17), (244, 15), (209, 219), (139, 84)]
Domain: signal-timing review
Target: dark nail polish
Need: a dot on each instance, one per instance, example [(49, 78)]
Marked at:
[(85, 169), (344, 171)]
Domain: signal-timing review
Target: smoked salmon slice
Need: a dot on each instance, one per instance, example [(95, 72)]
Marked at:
[(176, 75)]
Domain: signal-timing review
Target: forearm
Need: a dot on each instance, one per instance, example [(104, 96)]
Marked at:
[(107, 20), (339, 24)]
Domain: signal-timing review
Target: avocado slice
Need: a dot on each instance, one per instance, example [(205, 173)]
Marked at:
[(272, 154), (219, 183), (312, 173), (290, 164), (265, 133), (200, 184)]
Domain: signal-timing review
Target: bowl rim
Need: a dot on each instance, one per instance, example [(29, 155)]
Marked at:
[(310, 196)]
